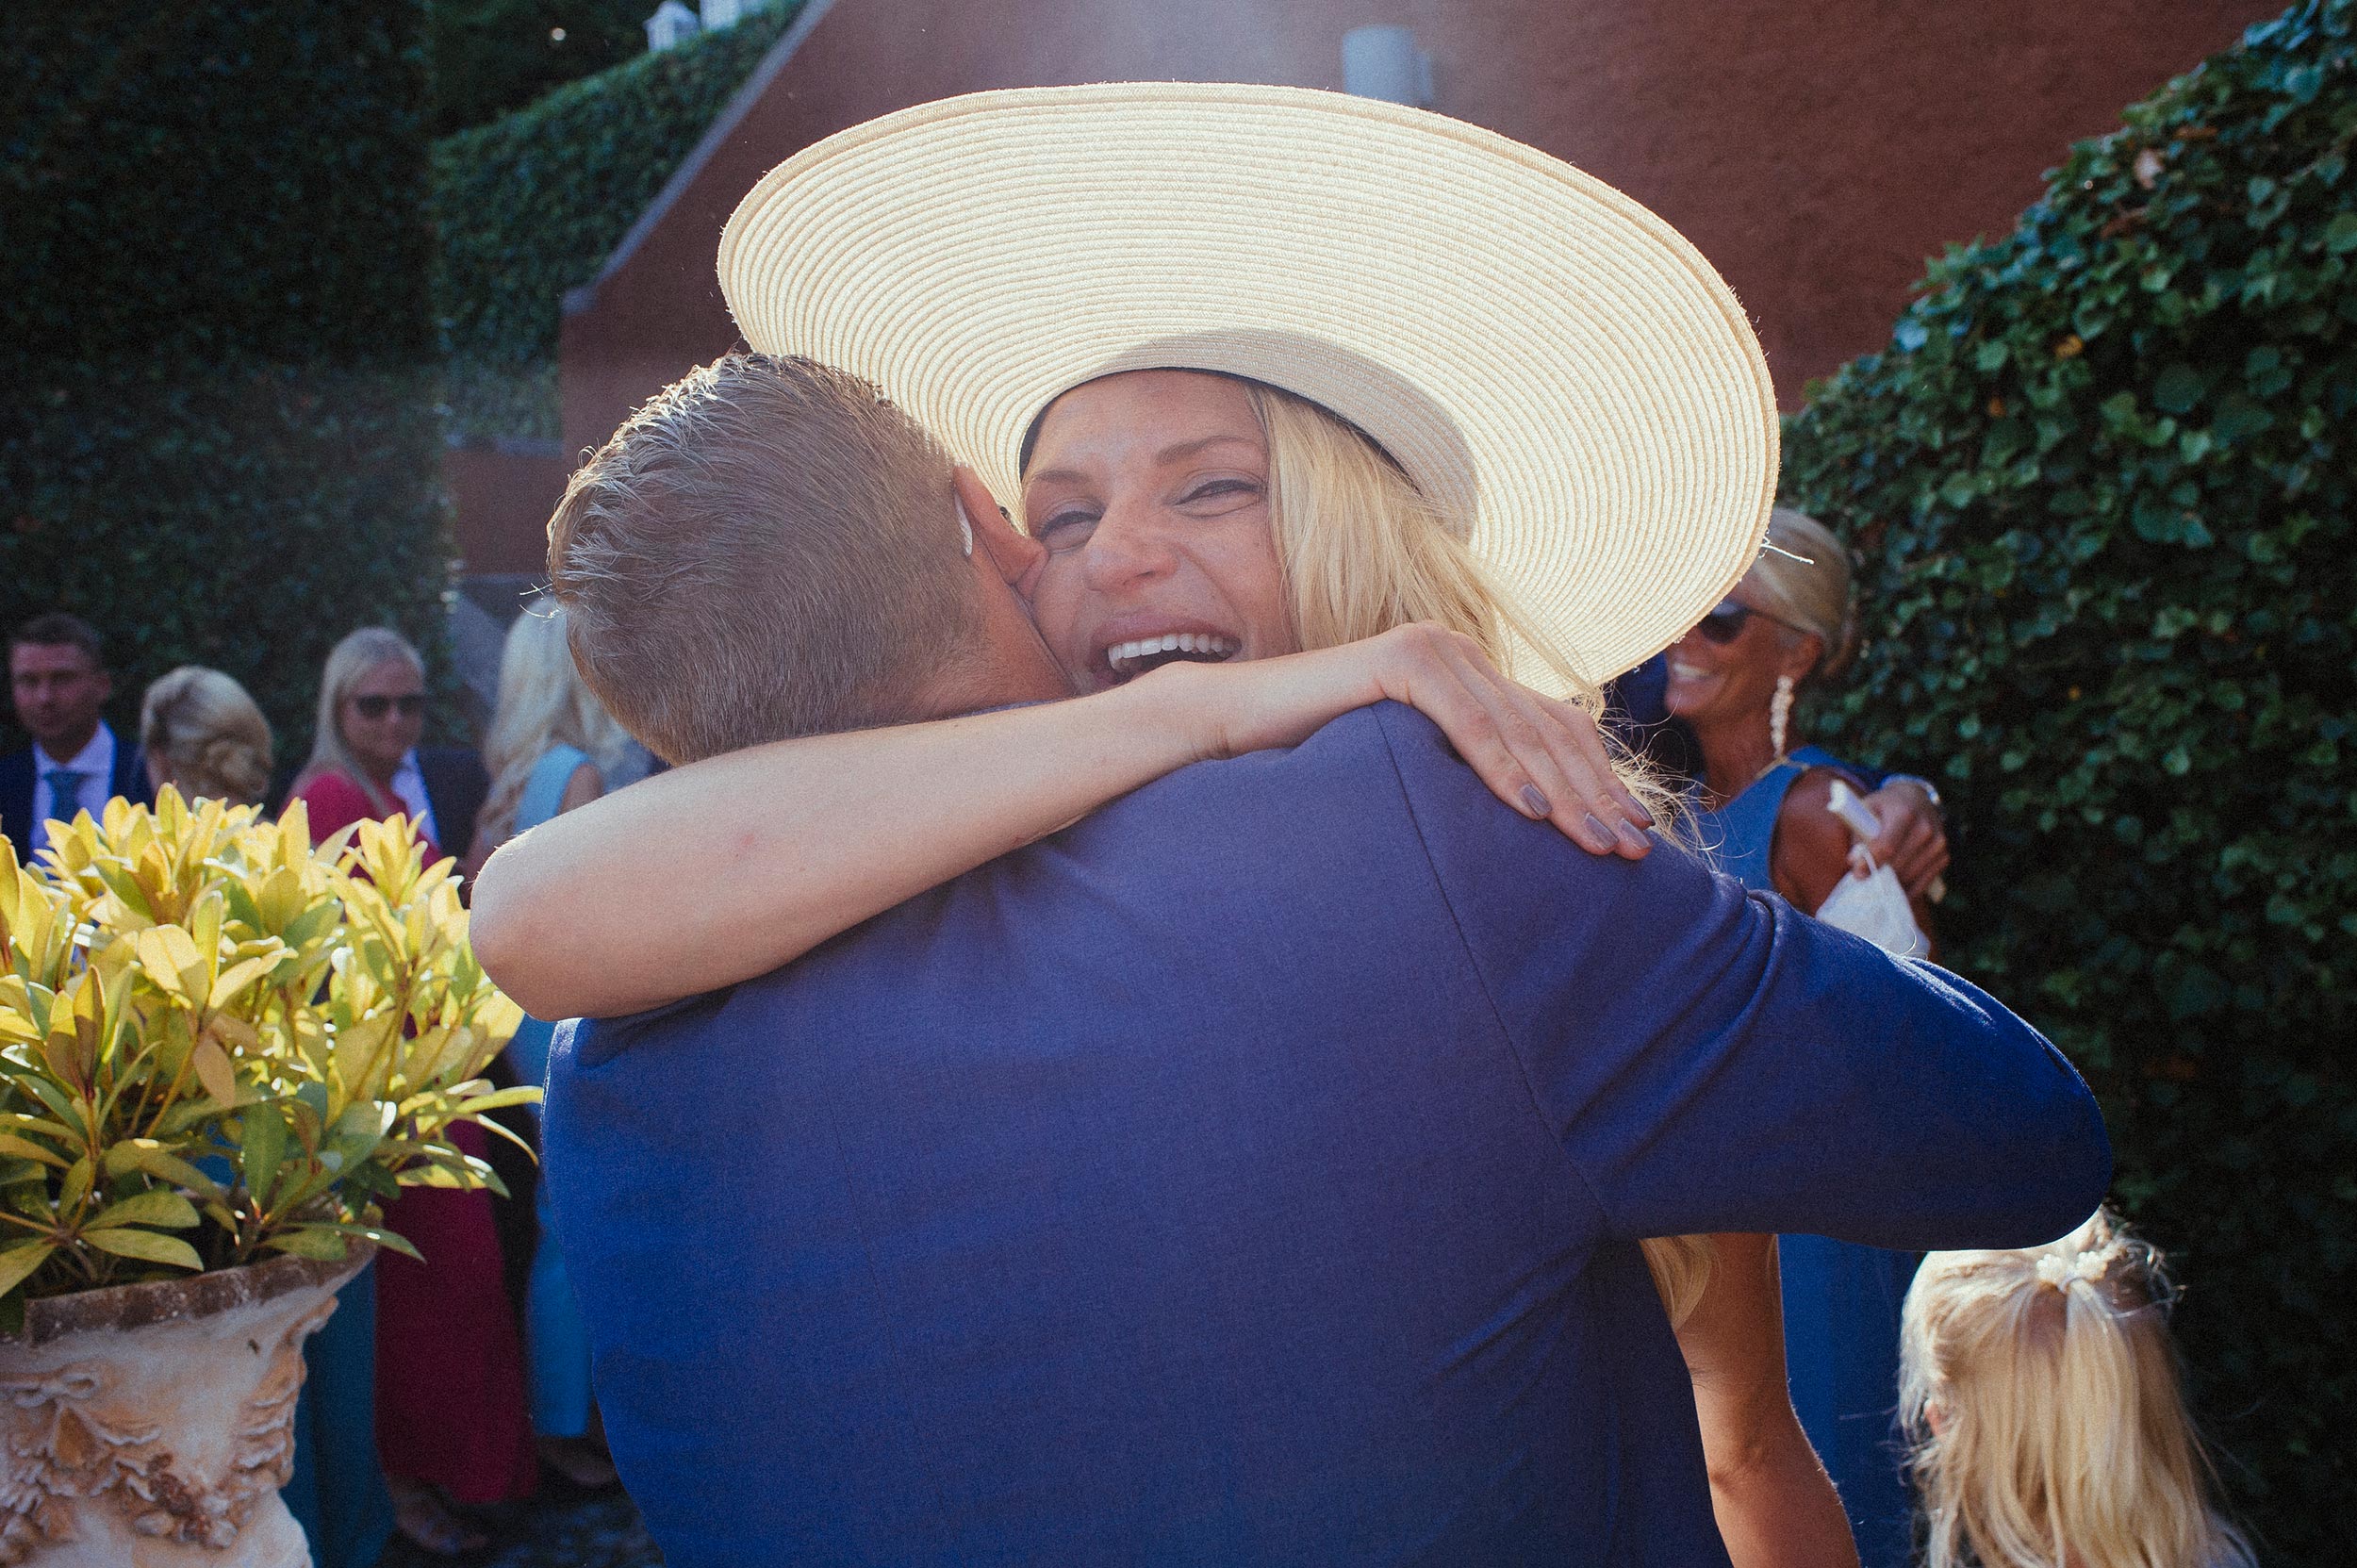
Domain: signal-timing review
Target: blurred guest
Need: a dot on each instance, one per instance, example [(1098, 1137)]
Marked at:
[(203, 735), (451, 1421), (58, 677), (2041, 1396), (552, 746), (1913, 841), (365, 757), (1766, 819)]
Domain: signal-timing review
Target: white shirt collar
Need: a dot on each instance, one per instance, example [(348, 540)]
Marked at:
[(95, 760), (409, 786)]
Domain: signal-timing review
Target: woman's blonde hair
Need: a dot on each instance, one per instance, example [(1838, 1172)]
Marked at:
[(542, 704), (2040, 1393), (1362, 552), (348, 664), (1803, 580), (207, 734)]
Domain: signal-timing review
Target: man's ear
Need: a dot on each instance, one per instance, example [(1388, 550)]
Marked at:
[(1015, 553)]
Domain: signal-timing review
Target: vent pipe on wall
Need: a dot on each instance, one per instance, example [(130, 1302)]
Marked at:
[(1384, 62)]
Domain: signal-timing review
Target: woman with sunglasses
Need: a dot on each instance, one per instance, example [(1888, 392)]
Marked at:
[(1765, 819), (451, 1419), (364, 761)]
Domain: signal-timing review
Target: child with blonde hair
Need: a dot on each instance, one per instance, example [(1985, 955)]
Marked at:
[(2040, 1393)]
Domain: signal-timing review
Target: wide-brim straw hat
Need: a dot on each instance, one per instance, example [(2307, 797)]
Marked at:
[(1545, 358)]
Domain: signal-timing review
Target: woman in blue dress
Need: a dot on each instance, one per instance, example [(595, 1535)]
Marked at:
[(1766, 819), (551, 747)]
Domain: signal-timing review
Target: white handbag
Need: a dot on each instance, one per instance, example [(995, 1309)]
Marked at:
[(1869, 902)]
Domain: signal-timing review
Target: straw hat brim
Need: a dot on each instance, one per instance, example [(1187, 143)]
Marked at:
[(1543, 355)]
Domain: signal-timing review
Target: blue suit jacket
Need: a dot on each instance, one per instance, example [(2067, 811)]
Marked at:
[(1250, 1174), (16, 788)]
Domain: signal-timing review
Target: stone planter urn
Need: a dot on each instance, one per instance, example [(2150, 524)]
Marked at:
[(151, 1425)]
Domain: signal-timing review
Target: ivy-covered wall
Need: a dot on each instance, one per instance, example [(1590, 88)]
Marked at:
[(217, 438), (531, 206), (2101, 482)]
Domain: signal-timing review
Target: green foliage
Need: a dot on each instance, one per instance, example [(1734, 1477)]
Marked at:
[(233, 177), (242, 516), (532, 205), (2101, 482), (491, 57), (217, 1043), (217, 437)]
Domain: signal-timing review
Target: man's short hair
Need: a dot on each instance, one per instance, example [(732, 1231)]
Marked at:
[(59, 629), (766, 549)]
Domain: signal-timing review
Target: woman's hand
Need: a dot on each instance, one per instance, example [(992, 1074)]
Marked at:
[(1541, 756)]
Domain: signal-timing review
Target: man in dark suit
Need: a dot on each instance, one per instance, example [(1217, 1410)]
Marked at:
[(455, 784), (1252, 1172), (58, 681)]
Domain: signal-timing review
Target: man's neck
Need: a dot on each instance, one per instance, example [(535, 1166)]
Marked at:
[(67, 748), (977, 685)]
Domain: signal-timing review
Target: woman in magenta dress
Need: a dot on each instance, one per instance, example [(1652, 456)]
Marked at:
[(451, 1417)]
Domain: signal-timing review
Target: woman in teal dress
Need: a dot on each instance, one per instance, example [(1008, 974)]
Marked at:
[(551, 747), (1766, 820)]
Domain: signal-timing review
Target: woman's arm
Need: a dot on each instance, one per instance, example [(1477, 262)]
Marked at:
[(1775, 1506), (727, 868), (1812, 851)]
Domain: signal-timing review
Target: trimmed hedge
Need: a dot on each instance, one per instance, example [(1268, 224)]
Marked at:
[(2101, 485), (493, 56), (215, 355), (532, 205)]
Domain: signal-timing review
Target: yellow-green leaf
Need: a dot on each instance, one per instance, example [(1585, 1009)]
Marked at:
[(25, 1150), (166, 1209), (170, 958), (146, 1245), (214, 1072), (19, 1261), (310, 1241)]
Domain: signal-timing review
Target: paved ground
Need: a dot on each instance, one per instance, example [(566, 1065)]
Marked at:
[(550, 1532)]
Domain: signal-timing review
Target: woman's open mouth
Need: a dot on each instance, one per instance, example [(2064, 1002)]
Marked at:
[(1126, 660)]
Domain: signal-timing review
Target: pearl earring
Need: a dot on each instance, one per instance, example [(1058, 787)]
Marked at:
[(1780, 714)]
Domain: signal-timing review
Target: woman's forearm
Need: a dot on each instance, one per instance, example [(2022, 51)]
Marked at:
[(1774, 1504), (725, 870), (1776, 1508), (714, 872)]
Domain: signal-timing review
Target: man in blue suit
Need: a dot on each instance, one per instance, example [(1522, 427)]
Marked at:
[(1251, 1172), (59, 682)]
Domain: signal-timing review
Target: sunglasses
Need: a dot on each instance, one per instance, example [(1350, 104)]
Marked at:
[(1725, 623), (408, 707)]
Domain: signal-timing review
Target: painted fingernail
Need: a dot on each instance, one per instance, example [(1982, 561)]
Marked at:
[(1636, 808), (1631, 840), (1535, 803), (1598, 833)]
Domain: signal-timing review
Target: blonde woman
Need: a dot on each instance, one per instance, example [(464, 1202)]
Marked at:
[(203, 735), (552, 748), (1221, 521), (371, 714), (2041, 1394)]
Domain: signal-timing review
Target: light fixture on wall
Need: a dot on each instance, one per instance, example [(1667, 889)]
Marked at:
[(1385, 62)]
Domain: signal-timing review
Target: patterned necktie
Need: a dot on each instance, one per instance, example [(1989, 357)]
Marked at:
[(65, 792)]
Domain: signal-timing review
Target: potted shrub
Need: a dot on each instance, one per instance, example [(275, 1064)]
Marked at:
[(220, 1052)]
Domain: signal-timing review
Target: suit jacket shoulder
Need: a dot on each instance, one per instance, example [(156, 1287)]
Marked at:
[(16, 797)]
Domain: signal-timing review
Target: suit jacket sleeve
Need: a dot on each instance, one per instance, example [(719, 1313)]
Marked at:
[(1714, 1061)]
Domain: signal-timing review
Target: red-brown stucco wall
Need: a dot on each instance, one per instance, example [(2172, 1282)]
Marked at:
[(1816, 151)]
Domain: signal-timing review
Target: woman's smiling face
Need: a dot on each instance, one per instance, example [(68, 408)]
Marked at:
[(1149, 490)]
